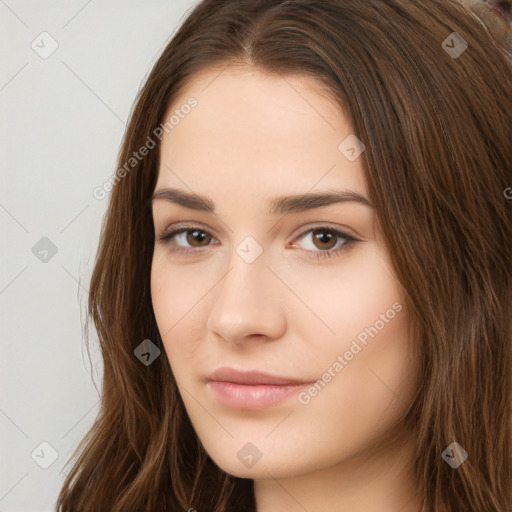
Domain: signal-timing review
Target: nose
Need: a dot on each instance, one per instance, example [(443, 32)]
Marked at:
[(248, 304)]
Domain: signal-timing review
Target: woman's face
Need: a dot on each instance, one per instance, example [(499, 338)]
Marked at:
[(270, 278)]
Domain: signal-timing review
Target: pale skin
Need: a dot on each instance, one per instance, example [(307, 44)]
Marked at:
[(253, 137)]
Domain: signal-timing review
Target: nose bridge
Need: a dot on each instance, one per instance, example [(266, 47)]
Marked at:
[(245, 303), (246, 283)]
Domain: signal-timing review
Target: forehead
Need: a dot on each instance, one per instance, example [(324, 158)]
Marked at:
[(265, 131)]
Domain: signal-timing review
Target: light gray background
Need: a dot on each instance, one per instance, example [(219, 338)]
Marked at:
[(62, 120)]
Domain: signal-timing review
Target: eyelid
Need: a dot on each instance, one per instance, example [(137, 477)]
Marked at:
[(342, 229), (349, 240), (176, 228)]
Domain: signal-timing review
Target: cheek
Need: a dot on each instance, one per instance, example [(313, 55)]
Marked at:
[(183, 294), (178, 294), (366, 369), (372, 390), (344, 301)]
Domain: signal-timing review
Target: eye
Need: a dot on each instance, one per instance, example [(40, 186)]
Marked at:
[(188, 234), (329, 241)]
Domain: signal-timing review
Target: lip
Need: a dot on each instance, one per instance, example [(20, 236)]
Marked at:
[(252, 389)]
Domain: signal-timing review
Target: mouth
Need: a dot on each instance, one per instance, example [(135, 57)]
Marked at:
[(252, 389)]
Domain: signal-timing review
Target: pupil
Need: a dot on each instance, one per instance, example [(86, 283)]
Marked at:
[(197, 236), (323, 236)]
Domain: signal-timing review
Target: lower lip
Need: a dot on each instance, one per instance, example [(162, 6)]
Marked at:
[(240, 396)]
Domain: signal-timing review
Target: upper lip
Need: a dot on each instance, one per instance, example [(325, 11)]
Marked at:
[(251, 377)]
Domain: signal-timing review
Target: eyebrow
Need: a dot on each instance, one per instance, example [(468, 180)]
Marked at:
[(278, 206)]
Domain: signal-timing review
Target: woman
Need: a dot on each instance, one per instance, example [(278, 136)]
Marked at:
[(250, 363)]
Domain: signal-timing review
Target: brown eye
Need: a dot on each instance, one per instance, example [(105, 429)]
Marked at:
[(196, 238), (324, 239), (187, 238)]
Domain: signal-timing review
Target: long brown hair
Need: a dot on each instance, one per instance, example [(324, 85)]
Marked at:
[(438, 133)]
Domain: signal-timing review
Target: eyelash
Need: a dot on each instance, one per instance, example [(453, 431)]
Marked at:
[(349, 240)]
